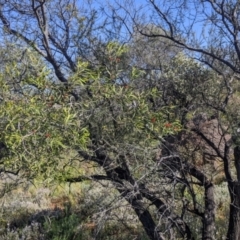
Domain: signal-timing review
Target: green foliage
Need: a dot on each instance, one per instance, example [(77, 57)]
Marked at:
[(38, 124), (44, 127), (190, 87), (62, 228), (41, 124), (115, 49), (123, 107)]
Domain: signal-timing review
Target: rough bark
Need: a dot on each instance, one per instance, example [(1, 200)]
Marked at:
[(234, 214), (164, 211), (145, 218), (234, 189), (118, 176), (209, 213)]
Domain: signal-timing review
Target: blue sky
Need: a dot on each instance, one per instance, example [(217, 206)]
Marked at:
[(145, 14)]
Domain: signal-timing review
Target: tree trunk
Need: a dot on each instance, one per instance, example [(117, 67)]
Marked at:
[(234, 190), (209, 213), (146, 219), (120, 173), (234, 214)]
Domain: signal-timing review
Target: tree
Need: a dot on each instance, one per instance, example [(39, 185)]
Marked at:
[(107, 127), (32, 120), (118, 124), (54, 29), (136, 118), (207, 31)]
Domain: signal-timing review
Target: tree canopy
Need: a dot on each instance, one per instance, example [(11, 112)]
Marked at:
[(154, 116)]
